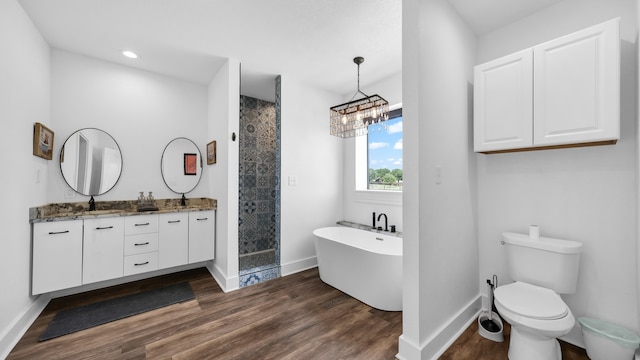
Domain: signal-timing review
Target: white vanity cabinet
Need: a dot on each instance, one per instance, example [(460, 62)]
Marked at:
[(202, 229), (72, 253), (141, 244), (102, 250), (565, 92), (57, 256), (174, 239)]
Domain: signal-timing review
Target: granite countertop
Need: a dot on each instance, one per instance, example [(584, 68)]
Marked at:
[(80, 210)]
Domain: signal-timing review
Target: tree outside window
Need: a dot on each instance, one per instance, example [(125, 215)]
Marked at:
[(384, 153)]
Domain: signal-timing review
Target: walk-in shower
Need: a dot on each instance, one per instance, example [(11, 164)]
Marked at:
[(259, 190)]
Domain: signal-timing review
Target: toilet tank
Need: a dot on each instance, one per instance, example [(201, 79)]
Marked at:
[(546, 262)]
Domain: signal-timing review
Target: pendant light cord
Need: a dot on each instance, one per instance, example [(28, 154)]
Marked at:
[(358, 61)]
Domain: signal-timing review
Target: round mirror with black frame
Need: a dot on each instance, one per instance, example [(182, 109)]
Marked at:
[(181, 166), (91, 162)]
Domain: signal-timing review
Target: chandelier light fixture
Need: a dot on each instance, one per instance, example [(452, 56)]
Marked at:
[(353, 118)]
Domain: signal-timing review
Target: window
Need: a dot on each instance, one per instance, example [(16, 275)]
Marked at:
[(384, 154)]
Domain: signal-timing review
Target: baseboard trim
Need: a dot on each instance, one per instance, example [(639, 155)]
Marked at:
[(227, 284), (9, 339), (298, 266), (437, 344), (407, 350)]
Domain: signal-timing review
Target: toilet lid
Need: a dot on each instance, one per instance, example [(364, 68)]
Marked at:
[(531, 301)]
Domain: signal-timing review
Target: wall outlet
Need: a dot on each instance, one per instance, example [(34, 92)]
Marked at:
[(69, 194), (293, 180)]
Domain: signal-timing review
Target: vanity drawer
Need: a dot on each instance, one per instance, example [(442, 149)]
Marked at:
[(138, 244), (139, 263), (140, 224)]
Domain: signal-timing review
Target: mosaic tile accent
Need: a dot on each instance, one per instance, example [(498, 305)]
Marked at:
[(259, 190), (258, 275)]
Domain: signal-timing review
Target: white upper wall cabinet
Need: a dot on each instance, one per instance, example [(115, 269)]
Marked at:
[(577, 87), (570, 98), (503, 112)]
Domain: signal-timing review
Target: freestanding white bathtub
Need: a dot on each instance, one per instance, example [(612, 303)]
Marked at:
[(364, 264)]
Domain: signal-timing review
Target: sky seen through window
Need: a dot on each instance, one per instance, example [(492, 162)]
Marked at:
[(385, 145)]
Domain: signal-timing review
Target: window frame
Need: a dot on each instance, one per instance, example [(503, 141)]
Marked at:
[(362, 189)]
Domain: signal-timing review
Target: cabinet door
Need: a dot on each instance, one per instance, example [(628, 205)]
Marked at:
[(103, 249), (201, 235), (503, 103), (174, 240), (577, 87), (57, 256)]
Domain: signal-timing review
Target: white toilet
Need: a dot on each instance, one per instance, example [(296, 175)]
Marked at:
[(542, 268)]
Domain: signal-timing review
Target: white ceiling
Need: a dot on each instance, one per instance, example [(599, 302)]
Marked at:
[(313, 40), (484, 16)]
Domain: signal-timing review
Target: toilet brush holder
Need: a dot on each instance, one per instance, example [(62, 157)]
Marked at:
[(490, 326)]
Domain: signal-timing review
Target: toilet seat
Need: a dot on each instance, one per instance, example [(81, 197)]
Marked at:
[(531, 301), (551, 327)]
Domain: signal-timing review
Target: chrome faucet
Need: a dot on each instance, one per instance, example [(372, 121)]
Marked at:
[(386, 223)]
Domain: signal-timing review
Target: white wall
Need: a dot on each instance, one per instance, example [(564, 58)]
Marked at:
[(314, 157), (142, 111), (440, 249), (24, 99), (637, 66), (584, 194), (358, 205), (224, 119)]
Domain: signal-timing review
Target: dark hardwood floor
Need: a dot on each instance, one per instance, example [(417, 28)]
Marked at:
[(470, 345), (294, 317)]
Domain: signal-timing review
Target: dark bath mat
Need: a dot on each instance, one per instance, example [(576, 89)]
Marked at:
[(84, 317)]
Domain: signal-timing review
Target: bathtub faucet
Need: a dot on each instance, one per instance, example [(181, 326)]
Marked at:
[(386, 223)]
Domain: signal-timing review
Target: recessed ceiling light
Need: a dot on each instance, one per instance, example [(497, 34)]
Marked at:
[(130, 54)]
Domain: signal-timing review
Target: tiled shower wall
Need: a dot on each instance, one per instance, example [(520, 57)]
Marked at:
[(258, 181)]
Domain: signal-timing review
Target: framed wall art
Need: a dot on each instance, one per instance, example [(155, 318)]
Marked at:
[(42, 141), (211, 153)]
